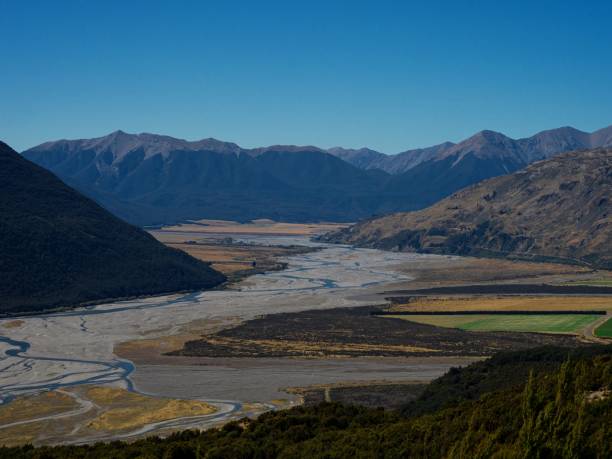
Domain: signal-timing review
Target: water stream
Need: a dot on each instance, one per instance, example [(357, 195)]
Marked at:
[(65, 349)]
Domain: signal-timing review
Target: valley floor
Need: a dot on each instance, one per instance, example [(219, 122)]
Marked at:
[(125, 345)]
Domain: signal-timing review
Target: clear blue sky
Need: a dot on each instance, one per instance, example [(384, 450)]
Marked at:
[(389, 75)]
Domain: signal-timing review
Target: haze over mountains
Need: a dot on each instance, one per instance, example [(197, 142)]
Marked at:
[(559, 209), (60, 249), (149, 179)]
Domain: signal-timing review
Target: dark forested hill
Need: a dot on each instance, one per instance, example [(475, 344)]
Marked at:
[(558, 404), (558, 209), (59, 248)]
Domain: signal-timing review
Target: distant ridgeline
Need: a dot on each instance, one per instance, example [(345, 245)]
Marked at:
[(559, 210), (149, 179), (545, 402), (59, 248)]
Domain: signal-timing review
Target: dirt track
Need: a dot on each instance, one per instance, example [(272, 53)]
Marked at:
[(589, 332)]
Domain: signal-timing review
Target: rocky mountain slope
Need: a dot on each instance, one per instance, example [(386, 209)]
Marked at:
[(149, 179), (364, 158), (58, 248), (558, 209), (482, 145)]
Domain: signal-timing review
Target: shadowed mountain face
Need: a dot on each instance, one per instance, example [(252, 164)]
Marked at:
[(185, 180), (61, 249), (149, 179), (558, 209)]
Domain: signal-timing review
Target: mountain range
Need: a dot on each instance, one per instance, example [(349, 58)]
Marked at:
[(61, 249), (486, 143), (558, 209), (150, 179)]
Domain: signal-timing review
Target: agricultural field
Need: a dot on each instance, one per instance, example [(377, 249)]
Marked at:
[(604, 330), (255, 227), (212, 241), (544, 323), (603, 282), (231, 259), (504, 303)]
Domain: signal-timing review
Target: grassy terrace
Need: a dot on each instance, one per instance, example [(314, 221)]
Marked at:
[(605, 330), (500, 303), (546, 323)]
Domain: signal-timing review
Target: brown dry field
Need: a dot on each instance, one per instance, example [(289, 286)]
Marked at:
[(230, 259), (312, 349), (505, 303), (261, 227), (24, 434), (114, 410), (152, 351), (127, 410), (30, 407), (204, 240), (469, 270)]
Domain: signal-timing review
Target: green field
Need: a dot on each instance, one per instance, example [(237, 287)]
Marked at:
[(604, 330), (546, 323), (606, 282)]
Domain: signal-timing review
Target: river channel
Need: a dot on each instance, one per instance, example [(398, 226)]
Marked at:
[(64, 349)]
